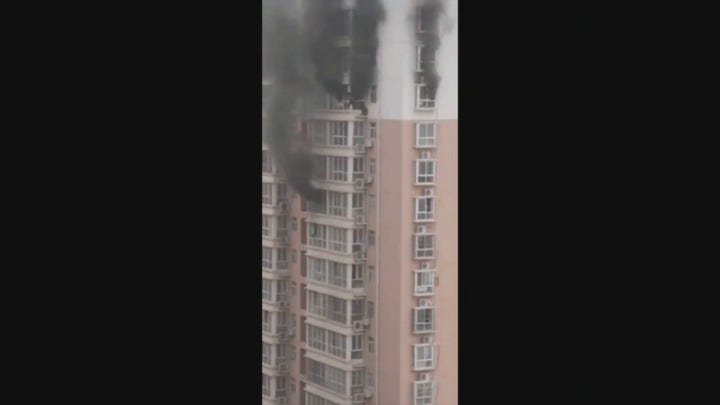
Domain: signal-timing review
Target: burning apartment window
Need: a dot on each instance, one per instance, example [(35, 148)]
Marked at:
[(427, 19), (426, 58), (423, 99)]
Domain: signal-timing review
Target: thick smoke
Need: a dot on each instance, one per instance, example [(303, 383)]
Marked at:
[(284, 62), (430, 15), (299, 57), (327, 25)]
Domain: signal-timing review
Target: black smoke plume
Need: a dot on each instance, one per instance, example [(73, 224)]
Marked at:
[(430, 15), (284, 58)]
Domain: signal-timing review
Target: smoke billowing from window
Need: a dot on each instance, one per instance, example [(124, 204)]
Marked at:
[(329, 47), (428, 28)]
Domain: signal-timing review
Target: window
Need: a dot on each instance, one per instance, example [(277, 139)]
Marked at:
[(423, 393), (266, 354), (328, 272), (356, 351), (337, 239), (337, 203), (321, 167), (338, 168), (338, 133), (266, 162), (266, 289), (424, 246), (282, 225), (282, 352), (319, 207), (318, 131), (427, 19), (266, 385), (326, 376), (315, 400), (373, 130), (371, 238), (358, 378), (359, 133), (282, 258), (425, 135), (358, 201), (358, 309), (371, 202), (425, 209), (424, 282), (358, 240), (423, 99), (317, 235), (281, 293), (424, 320), (337, 274), (358, 168), (371, 345), (424, 359), (337, 309), (426, 58), (266, 322), (266, 229), (280, 387), (267, 193), (357, 275), (371, 167), (316, 337), (336, 344), (425, 171), (317, 269), (370, 309), (282, 318), (267, 258), (293, 254)]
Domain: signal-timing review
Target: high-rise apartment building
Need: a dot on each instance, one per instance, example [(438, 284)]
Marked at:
[(360, 291)]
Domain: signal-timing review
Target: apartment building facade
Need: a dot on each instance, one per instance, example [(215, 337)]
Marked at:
[(360, 290)]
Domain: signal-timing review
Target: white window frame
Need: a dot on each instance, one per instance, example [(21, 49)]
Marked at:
[(281, 261), (423, 327), (424, 252), (317, 235), (422, 139), (423, 101), (419, 49), (337, 239), (267, 321), (425, 178), (358, 168), (338, 168), (267, 193), (337, 204), (422, 213), (337, 274), (267, 258), (267, 354), (266, 226), (359, 128), (423, 356), (424, 282), (357, 279), (266, 289), (338, 133), (356, 347), (266, 385), (427, 388)]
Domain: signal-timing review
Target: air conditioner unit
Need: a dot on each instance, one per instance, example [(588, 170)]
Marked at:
[(366, 322), (425, 377), (369, 392), (368, 143), (428, 191), (282, 367), (358, 397), (420, 229), (426, 155), (360, 220), (359, 148), (426, 339), (359, 183), (369, 179), (426, 303), (424, 266), (358, 326)]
